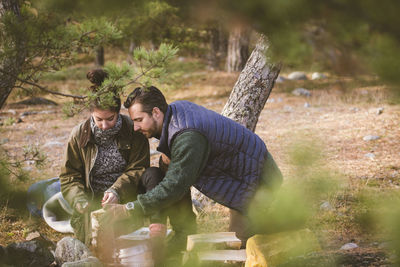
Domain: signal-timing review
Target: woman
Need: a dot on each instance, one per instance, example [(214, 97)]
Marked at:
[(104, 161)]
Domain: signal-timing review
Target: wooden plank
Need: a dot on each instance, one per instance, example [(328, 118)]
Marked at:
[(223, 255), (210, 240)]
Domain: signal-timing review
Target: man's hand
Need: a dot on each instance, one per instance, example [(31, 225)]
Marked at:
[(82, 206), (109, 198), (158, 230)]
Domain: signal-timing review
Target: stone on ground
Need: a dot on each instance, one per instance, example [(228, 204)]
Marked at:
[(29, 253), (297, 75), (301, 92), (70, 249), (88, 262)]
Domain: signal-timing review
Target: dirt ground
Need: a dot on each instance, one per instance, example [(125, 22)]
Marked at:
[(333, 120)]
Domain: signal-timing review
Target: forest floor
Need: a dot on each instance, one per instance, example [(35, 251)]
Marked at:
[(330, 126)]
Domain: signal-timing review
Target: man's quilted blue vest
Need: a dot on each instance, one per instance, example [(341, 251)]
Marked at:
[(236, 159)]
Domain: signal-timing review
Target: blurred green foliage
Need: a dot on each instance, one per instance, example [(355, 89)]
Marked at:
[(348, 37), (150, 68), (65, 74), (341, 36), (298, 200), (13, 174)]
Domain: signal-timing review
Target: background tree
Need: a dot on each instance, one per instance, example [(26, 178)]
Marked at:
[(253, 87), (14, 43), (34, 42), (238, 48), (363, 31)]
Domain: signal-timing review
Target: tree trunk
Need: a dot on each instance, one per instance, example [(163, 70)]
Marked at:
[(247, 98), (213, 57), (99, 61), (132, 46), (10, 66), (252, 88), (238, 49)]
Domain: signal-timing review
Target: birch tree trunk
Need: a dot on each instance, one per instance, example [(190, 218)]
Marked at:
[(11, 65), (252, 88)]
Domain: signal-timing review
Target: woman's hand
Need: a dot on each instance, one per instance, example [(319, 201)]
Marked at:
[(109, 198)]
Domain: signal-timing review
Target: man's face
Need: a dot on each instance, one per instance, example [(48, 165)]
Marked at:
[(143, 122)]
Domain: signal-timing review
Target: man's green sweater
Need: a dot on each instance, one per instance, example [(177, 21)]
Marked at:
[(189, 154)]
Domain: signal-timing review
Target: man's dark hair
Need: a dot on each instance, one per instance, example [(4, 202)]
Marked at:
[(149, 97)]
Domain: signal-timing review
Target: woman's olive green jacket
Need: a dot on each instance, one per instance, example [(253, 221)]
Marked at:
[(80, 157)]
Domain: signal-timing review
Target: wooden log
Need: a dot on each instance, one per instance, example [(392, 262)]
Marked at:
[(275, 249), (212, 240)]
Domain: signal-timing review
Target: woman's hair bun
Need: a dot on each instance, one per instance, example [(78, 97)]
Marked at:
[(96, 76)]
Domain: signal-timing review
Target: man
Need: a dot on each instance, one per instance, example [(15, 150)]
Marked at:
[(221, 158)]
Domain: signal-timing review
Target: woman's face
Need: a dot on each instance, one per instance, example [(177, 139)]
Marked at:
[(104, 119)]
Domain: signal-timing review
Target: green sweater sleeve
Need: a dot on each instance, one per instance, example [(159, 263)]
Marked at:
[(189, 154)]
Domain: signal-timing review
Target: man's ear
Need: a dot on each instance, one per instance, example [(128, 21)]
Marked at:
[(156, 112)]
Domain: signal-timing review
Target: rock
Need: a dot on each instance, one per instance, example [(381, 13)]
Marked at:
[(30, 253), (70, 249), (301, 92), (318, 76), (379, 111), (375, 244), (36, 101), (3, 254), (88, 262), (27, 169), (47, 112), (349, 246), (287, 109), (27, 113), (371, 137), (4, 140), (200, 200), (44, 240), (307, 105), (32, 235), (13, 112), (297, 75), (53, 143), (326, 206), (370, 155), (280, 79)]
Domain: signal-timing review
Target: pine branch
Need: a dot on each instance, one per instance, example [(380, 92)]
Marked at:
[(51, 91), (146, 71), (43, 88)]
